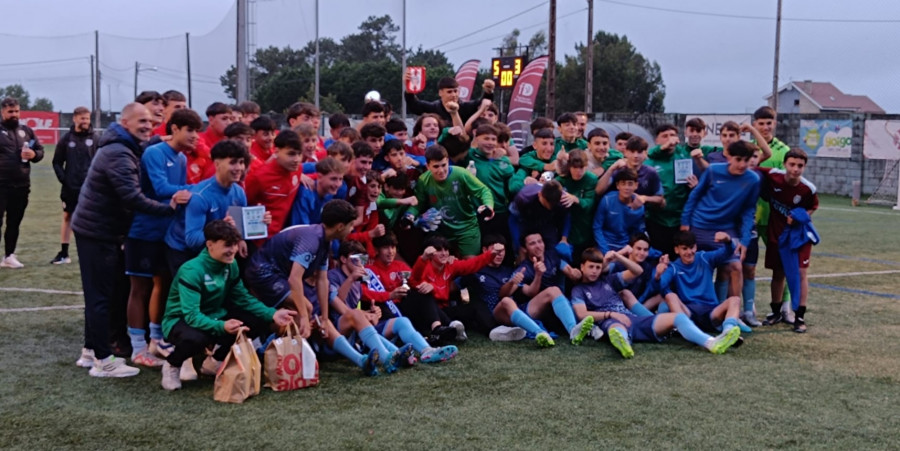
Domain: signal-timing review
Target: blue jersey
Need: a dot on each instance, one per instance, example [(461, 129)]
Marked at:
[(486, 284), (307, 206), (303, 244), (723, 201), (648, 182), (209, 201), (163, 173), (530, 215), (644, 285), (602, 295), (694, 283), (553, 277), (615, 222), (336, 278)]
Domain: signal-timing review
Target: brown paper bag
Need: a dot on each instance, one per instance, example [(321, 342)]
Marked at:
[(239, 376), (290, 362)]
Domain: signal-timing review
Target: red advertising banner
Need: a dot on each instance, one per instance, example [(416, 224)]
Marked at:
[(521, 103), (466, 79), (45, 125), (415, 80)]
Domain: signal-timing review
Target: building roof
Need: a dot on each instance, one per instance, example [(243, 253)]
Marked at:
[(828, 97)]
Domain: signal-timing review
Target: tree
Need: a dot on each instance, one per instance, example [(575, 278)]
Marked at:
[(19, 93), (535, 47), (624, 81), (377, 39), (42, 104), (327, 104)]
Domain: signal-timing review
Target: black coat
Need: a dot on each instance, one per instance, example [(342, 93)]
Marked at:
[(14, 173), (466, 109), (73, 156), (111, 193)]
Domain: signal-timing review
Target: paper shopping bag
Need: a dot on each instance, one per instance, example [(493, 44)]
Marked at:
[(290, 362), (239, 376)]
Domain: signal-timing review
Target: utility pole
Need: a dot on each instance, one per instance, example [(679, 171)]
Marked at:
[(242, 60), (589, 62), (97, 78), (93, 88), (317, 54), (551, 63), (137, 68), (187, 48), (777, 49), (403, 64)]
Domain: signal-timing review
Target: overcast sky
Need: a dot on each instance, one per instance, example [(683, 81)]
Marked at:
[(716, 56)]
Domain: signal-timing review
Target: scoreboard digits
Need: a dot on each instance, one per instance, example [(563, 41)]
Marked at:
[(506, 70)]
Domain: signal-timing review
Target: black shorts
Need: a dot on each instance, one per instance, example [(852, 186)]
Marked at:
[(144, 258), (69, 199)]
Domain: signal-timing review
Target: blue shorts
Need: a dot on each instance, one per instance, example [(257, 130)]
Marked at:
[(640, 330), (701, 315), (706, 241), (271, 290), (144, 258)]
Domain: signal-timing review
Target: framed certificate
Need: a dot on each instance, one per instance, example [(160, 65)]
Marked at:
[(683, 169), (249, 221)]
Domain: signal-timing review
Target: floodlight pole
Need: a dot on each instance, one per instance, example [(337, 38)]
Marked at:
[(317, 54), (589, 62), (551, 63), (403, 73), (242, 60), (777, 49), (187, 45)]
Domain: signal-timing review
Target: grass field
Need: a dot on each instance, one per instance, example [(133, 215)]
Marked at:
[(837, 386)]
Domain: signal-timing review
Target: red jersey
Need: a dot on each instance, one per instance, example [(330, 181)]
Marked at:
[(321, 152), (275, 187), (199, 165), (357, 193), (784, 197), (210, 138), (257, 151), (160, 130), (390, 278), (424, 271)]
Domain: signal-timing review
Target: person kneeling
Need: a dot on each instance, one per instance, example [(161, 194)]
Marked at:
[(208, 304)]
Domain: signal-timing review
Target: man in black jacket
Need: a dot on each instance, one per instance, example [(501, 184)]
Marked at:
[(18, 149), (71, 161), (109, 196), (448, 91)]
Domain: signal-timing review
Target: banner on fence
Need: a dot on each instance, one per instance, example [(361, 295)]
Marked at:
[(826, 137), (882, 140), (714, 125), (45, 125)]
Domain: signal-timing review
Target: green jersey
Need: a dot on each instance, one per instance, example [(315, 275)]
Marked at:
[(779, 150), (560, 144), (200, 291), (390, 210), (530, 162), (496, 174), (582, 214), (676, 194), (457, 198)]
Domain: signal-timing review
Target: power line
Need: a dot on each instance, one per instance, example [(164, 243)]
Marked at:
[(489, 26), (539, 24), (740, 16), (33, 63)]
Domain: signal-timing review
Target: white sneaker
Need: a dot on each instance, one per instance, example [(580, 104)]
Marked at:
[(460, 330), (145, 358), (112, 367), (11, 262), (787, 313), (596, 333), (506, 333), (749, 318), (160, 348), (210, 366), (87, 358), (188, 373), (170, 377)]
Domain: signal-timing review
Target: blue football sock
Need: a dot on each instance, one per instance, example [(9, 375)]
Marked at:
[(749, 292), (689, 330), (404, 329), (369, 337), (721, 290), (388, 344), (639, 310), (343, 347), (521, 319), (663, 308), (138, 343), (155, 331), (563, 310), (729, 323)]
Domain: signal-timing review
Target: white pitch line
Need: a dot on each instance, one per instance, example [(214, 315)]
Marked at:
[(41, 309), (861, 210), (40, 290), (842, 274)]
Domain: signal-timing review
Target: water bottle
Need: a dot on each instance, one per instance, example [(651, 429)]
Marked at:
[(471, 168)]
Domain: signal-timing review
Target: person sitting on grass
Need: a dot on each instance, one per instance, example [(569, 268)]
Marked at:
[(540, 276), (347, 315), (687, 283), (208, 304), (596, 297), (645, 287)]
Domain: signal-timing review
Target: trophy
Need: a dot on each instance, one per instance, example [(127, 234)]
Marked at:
[(361, 260), (404, 275)]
